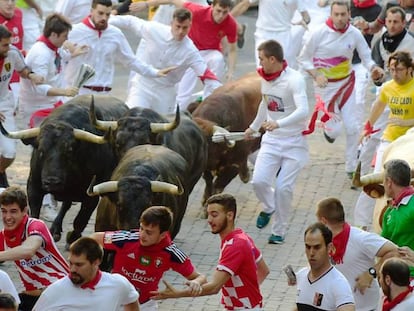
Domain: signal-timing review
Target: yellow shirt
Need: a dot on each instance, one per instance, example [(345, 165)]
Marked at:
[(22, 4), (400, 99)]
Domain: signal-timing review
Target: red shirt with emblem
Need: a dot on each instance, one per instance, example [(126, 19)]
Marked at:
[(144, 266), (238, 257), (205, 32), (46, 266), (15, 26)]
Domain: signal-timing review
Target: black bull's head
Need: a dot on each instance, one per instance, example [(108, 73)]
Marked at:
[(131, 195), (55, 147), (138, 127)]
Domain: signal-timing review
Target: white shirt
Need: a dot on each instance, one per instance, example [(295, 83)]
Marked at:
[(7, 286), (75, 11), (329, 292), (13, 61), (111, 293), (406, 305), (326, 48), (277, 15), (105, 48), (162, 50), (359, 256), (288, 94)]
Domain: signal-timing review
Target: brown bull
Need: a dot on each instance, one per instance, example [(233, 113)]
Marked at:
[(232, 106)]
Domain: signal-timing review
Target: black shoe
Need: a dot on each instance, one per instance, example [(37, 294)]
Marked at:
[(329, 139), (240, 36), (3, 180)]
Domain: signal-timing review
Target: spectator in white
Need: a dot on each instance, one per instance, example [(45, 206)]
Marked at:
[(7, 286), (10, 60), (165, 46), (321, 286), (274, 22), (358, 254), (395, 283), (326, 57), (75, 11), (106, 44), (87, 288)]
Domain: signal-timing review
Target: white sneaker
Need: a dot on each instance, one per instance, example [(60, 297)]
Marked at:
[(48, 212)]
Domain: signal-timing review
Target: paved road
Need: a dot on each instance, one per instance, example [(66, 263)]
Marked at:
[(323, 176)]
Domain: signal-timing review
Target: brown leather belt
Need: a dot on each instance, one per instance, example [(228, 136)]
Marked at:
[(98, 88)]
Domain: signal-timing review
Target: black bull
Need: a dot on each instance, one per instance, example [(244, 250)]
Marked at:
[(146, 175), (65, 158)]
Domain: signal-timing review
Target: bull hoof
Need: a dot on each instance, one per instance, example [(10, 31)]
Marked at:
[(57, 237), (71, 237)]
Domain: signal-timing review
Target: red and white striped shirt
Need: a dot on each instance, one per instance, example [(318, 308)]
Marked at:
[(46, 266)]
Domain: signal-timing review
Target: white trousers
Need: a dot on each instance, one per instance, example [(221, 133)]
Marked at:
[(7, 145), (285, 157), (215, 62), (161, 99), (345, 116), (364, 208), (361, 85)]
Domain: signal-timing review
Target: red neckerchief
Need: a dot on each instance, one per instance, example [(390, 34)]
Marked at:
[(88, 22), (92, 283), (208, 74), (340, 242), (404, 193), (272, 76), (364, 4), (14, 237), (55, 49), (331, 25), (389, 305)]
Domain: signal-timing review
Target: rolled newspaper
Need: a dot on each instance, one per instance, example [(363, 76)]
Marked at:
[(230, 136), (85, 73)]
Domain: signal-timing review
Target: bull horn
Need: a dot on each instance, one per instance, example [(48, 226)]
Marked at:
[(160, 186), (358, 181), (165, 127), (219, 129), (102, 188), (23, 134), (99, 124), (90, 137)]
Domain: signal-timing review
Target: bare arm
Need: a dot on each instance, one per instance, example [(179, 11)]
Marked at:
[(141, 6), (240, 8), (347, 308), (26, 250), (262, 271), (232, 58), (35, 6), (132, 306), (98, 237), (195, 280), (210, 288)]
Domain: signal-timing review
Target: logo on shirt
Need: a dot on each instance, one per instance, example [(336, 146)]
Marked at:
[(35, 262), (158, 262), (7, 66), (317, 299), (145, 260), (131, 255), (275, 103)]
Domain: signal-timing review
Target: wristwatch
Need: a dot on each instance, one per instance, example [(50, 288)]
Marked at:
[(372, 272)]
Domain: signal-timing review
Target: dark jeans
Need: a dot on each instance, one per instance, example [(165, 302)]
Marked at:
[(27, 302)]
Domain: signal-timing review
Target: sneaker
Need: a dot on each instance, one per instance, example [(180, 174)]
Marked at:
[(262, 220), (276, 239), (4, 183), (329, 139), (240, 36), (49, 212)]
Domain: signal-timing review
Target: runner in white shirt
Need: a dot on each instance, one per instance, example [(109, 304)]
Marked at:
[(10, 59), (75, 11), (165, 46), (106, 44), (7, 286)]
